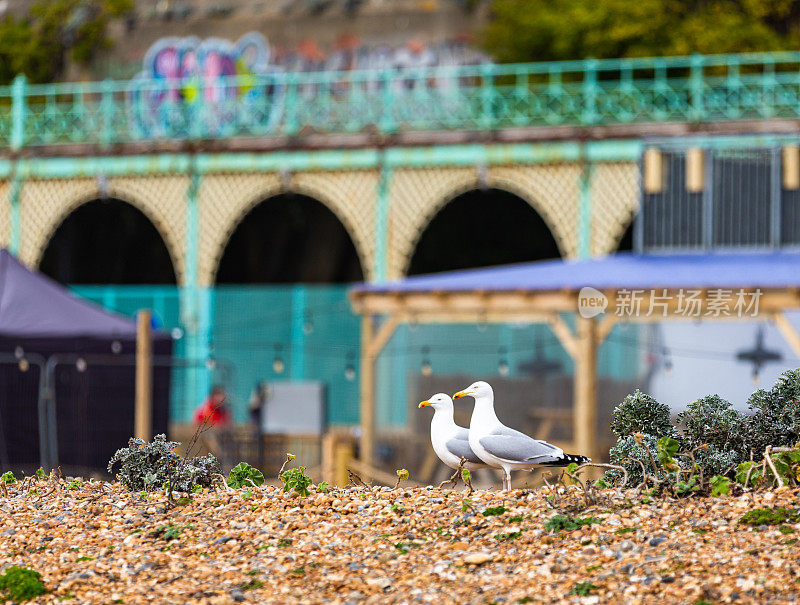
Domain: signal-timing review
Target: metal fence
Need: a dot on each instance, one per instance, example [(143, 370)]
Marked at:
[(468, 97), (741, 203)]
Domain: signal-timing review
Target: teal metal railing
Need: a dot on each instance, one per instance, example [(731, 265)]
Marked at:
[(472, 97)]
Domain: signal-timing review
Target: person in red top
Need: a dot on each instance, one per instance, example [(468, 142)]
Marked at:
[(214, 410)]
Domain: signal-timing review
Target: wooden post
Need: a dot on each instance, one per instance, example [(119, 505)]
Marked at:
[(787, 330), (585, 402), (367, 383), (144, 375), (343, 455)]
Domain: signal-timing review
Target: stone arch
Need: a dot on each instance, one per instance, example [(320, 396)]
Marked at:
[(45, 204), (615, 201), (418, 195), (225, 200)]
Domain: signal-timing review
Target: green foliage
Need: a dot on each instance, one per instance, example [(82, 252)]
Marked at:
[(466, 475), (283, 542), (40, 42), (666, 449), (494, 510), (537, 30), (509, 536), (323, 487), (169, 532), (582, 589), (756, 474), (8, 477), (628, 454), (74, 484), (563, 522), (146, 465), (252, 584), (720, 486), (775, 418), (770, 516), (296, 479), (21, 584), (640, 413), (683, 488), (243, 475), (402, 474), (398, 508), (40, 472)]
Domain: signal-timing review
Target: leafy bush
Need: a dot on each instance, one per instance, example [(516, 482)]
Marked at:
[(640, 413), (245, 475), (628, 454), (21, 584), (323, 487), (775, 418), (770, 516), (559, 522), (147, 465), (8, 477), (297, 480)]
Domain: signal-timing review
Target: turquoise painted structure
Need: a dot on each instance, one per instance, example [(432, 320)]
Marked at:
[(485, 97)]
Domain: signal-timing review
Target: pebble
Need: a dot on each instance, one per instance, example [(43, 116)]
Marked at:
[(478, 558)]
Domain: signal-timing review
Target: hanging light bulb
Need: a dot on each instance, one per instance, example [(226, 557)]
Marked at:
[(502, 364), (308, 325), (277, 362), (116, 347), (80, 364), (23, 365), (349, 368), (756, 377), (426, 369)]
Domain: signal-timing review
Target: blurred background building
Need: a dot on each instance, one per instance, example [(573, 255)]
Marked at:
[(234, 165)]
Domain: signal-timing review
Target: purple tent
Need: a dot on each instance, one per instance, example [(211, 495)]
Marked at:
[(49, 338)]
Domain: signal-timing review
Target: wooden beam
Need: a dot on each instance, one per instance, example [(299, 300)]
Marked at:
[(605, 327), (382, 336), (564, 334), (585, 390), (789, 332), (143, 414)]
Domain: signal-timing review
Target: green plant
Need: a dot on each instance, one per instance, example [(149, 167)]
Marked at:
[(626, 530), (145, 465), (21, 584), (296, 479), (563, 522), (402, 547), (243, 474), (169, 532), (8, 477), (402, 475), (720, 485), (634, 456), (398, 508), (252, 584), (247, 495), (640, 413), (323, 487), (494, 510), (40, 472), (74, 484), (582, 589), (775, 418), (197, 489), (770, 516), (714, 422), (683, 488), (503, 537), (284, 542)]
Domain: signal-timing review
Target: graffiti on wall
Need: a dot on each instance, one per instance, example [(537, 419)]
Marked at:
[(216, 87)]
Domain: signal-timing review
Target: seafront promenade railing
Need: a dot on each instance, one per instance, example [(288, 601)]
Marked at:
[(472, 97)]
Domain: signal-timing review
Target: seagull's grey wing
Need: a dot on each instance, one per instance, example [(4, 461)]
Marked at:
[(461, 448), (514, 446), (461, 433)]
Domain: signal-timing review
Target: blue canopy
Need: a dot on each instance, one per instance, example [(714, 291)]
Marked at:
[(623, 270)]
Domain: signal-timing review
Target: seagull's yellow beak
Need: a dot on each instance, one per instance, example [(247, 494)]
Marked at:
[(424, 404), (460, 394)]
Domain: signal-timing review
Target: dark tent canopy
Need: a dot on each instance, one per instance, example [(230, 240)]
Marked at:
[(49, 337)]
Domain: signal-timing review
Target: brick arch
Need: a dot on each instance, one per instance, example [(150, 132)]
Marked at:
[(418, 195), (46, 204), (225, 200)]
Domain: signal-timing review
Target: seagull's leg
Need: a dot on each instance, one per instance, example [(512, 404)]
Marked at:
[(507, 474)]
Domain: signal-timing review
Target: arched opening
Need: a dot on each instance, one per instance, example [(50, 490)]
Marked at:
[(481, 228), (626, 241), (286, 239), (107, 241)]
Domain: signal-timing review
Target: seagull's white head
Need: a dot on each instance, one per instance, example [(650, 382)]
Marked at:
[(440, 401), (476, 389)]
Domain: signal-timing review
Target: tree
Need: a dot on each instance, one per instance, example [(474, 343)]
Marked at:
[(40, 43), (541, 30)]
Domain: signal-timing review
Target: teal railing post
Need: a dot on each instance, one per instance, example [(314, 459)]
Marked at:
[(298, 343), (107, 112), (18, 112), (487, 120), (380, 271), (696, 88), (585, 206), (196, 308), (387, 125), (292, 98), (13, 198), (590, 90)]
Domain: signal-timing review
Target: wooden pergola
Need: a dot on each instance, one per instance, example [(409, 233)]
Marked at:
[(756, 286)]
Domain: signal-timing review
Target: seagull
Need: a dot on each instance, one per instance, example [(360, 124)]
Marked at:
[(450, 441), (502, 447)]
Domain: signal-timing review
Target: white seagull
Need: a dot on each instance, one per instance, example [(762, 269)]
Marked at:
[(503, 447), (450, 441)]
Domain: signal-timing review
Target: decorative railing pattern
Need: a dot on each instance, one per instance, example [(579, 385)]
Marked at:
[(471, 97)]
